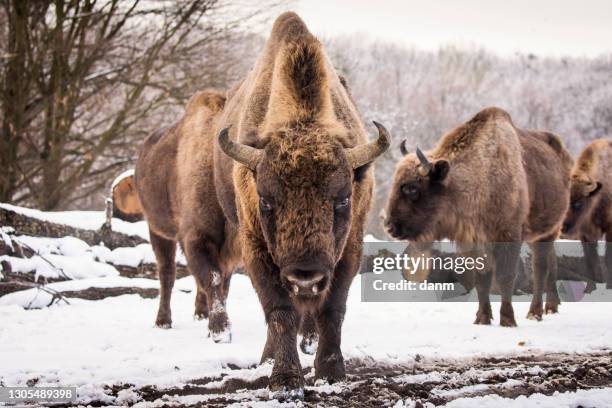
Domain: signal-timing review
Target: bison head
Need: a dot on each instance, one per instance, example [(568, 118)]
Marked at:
[(417, 196), (583, 196), (305, 179)]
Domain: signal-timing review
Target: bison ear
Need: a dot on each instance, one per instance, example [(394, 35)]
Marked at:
[(439, 171), (595, 188)]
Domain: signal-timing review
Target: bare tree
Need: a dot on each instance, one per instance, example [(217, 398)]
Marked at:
[(83, 80)]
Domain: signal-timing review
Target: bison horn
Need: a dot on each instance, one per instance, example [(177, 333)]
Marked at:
[(366, 153), (403, 148), (423, 159), (247, 155)]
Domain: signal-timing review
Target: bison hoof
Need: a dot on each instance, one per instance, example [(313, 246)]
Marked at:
[(507, 321), (590, 287), (163, 325), (285, 394), (534, 316), (535, 312), (163, 321), (200, 316), (287, 385), (551, 308), (309, 344), (224, 336), (330, 368), (483, 318), (609, 285)]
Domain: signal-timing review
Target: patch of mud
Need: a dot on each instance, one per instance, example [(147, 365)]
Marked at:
[(426, 381)]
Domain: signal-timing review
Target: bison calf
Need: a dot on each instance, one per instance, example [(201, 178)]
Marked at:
[(590, 211), (489, 184)]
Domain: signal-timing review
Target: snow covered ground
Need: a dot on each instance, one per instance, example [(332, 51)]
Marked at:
[(92, 344), (100, 345)]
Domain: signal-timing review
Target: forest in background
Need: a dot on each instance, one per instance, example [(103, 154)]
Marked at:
[(82, 86)]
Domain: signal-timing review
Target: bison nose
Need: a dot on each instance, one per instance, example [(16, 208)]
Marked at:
[(306, 278)]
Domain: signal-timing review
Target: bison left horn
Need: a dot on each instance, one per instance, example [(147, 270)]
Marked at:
[(366, 153), (247, 155)]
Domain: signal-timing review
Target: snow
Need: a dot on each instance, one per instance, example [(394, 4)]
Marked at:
[(89, 220), (72, 258), (124, 175), (92, 343), (593, 398)]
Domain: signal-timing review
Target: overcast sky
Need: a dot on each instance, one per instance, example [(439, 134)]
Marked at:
[(549, 27)]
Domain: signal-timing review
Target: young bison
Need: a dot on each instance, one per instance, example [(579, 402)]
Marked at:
[(590, 212), (488, 185)]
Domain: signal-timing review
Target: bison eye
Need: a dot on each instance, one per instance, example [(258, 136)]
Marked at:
[(264, 205), (411, 191), (577, 205), (341, 204)]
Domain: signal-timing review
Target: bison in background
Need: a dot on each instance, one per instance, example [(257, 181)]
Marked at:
[(289, 178), (488, 185), (175, 181), (590, 211), (124, 196)]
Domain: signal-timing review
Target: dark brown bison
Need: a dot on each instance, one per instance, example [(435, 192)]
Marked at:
[(175, 181), (590, 211), (290, 172), (126, 204), (490, 184)]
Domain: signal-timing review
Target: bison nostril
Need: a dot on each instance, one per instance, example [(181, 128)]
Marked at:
[(394, 228)]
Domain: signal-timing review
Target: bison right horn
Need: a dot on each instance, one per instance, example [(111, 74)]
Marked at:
[(247, 155), (366, 153), (423, 159)]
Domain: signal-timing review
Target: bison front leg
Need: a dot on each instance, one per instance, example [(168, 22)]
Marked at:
[(552, 295), (506, 261), (165, 251), (202, 261), (281, 346), (591, 259), (329, 363), (283, 321), (609, 259), (541, 265), (484, 315)]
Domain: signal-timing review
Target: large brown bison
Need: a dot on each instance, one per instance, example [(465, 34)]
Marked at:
[(290, 172), (488, 182), (590, 212)]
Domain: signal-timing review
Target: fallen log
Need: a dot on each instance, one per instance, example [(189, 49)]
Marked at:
[(25, 225)]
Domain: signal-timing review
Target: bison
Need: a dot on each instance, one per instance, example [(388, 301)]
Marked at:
[(590, 211), (288, 178), (488, 185), (175, 183)]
